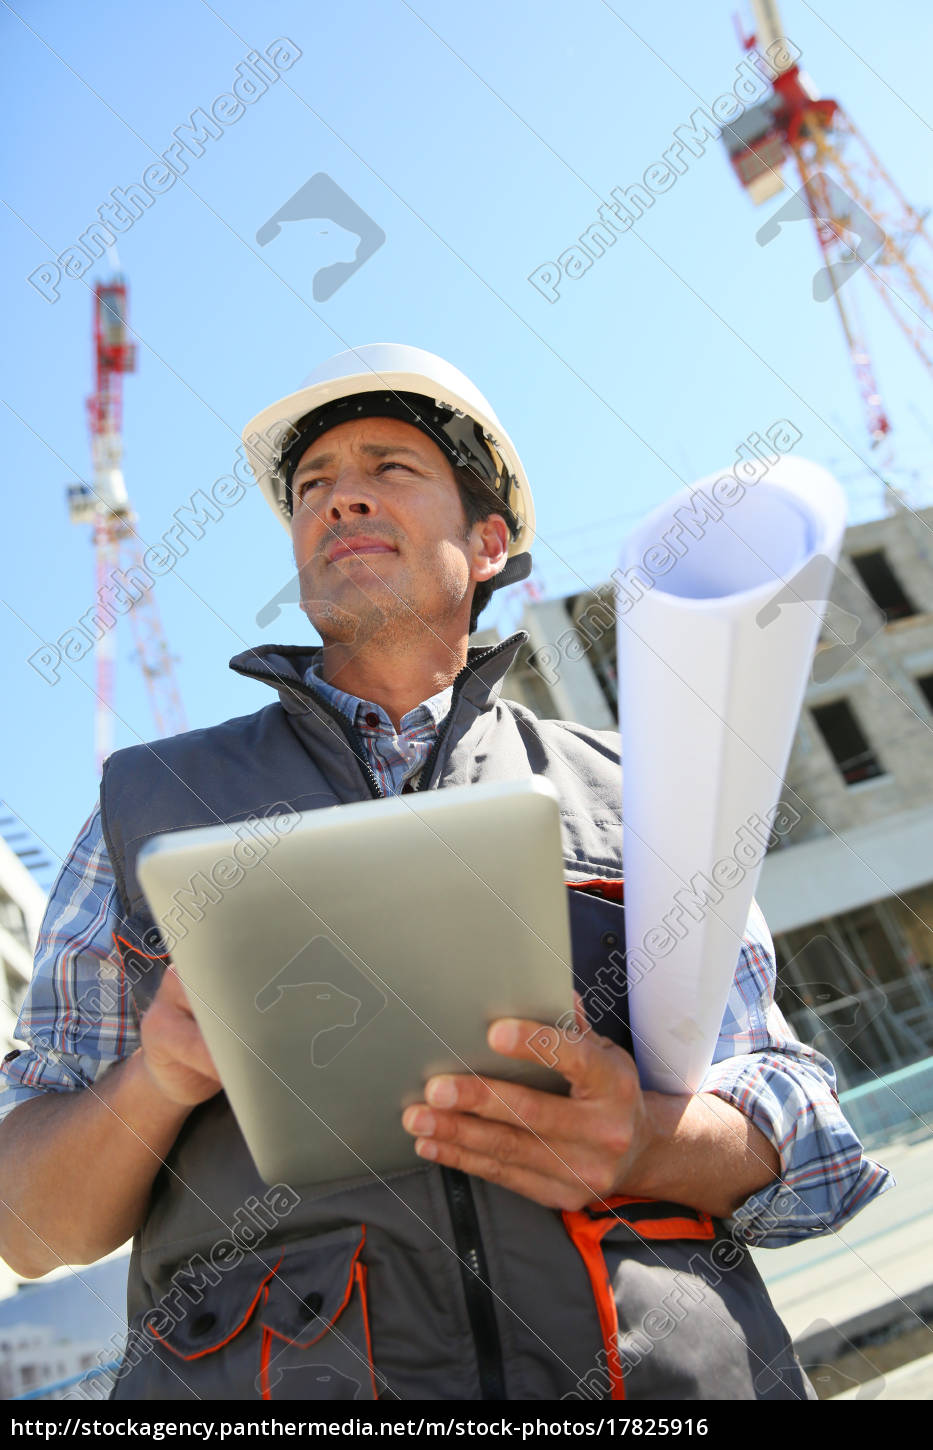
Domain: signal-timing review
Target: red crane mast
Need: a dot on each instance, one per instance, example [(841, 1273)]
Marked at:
[(105, 505)]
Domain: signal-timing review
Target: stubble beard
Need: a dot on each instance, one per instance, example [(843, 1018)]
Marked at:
[(398, 620)]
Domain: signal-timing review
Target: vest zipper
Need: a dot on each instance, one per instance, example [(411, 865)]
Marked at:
[(346, 728), (464, 1219), (353, 735), (358, 743), (468, 1239), (424, 775), (474, 1275)]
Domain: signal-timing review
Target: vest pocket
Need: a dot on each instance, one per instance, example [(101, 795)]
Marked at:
[(293, 1324), (315, 1341)]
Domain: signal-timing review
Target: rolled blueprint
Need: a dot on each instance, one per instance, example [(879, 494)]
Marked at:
[(720, 596)]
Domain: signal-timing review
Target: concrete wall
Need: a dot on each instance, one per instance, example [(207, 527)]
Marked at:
[(881, 689), (17, 936), (17, 945)]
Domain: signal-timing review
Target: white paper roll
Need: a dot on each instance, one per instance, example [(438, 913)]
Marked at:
[(720, 595)]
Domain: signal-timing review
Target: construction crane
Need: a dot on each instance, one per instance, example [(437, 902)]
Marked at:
[(105, 505), (845, 192)]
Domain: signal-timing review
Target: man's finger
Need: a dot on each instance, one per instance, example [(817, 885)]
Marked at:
[(572, 1161), (550, 1115), (590, 1063), (548, 1191)]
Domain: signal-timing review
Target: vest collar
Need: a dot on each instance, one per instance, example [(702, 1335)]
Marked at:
[(283, 667)]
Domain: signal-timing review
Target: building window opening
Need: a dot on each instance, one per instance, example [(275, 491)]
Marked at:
[(925, 683), (15, 988), (12, 918), (854, 758), (883, 585), (593, 616)]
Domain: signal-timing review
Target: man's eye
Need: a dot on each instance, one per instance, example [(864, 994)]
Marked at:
[(307, 484)]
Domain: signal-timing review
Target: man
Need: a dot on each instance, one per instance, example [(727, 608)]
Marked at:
[(541, 1246)]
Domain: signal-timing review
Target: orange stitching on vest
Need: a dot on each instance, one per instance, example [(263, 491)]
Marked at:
[(672, 1227), (265, 1391), (611, 890), (159, 957), (587, 1234), (348, 1290), (212, 1349), (361, 1281)]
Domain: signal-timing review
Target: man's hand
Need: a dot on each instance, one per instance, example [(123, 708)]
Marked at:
[(608, 1137), (563, 1152), (173, 1051)]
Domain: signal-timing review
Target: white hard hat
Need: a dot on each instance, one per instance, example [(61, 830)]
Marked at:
[(406, 383)]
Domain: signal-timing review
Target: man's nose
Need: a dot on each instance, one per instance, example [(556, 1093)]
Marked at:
[(352, 493)]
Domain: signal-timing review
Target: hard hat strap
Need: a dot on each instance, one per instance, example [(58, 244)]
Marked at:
[(516, 568)]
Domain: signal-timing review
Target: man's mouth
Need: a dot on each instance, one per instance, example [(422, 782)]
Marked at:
[(350, 548)]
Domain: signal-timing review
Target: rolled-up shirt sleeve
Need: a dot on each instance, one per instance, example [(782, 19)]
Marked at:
[(78, 1015), (788, 1090)]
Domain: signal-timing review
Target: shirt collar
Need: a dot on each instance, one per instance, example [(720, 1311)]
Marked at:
[(431, 711), (284, 666)]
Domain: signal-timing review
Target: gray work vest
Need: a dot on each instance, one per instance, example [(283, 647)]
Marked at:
[(430, 1284)]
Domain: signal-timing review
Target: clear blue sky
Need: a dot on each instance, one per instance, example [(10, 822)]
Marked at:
[(480, 139)]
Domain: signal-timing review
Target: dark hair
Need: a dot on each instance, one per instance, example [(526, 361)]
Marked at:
[(479, 500)]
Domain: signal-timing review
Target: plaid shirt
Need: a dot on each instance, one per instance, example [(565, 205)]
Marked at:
[(784, 1087)]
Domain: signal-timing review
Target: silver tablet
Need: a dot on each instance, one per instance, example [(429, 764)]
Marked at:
[(369, 947)]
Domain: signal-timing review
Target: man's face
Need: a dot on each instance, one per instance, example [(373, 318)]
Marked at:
[(379, 533)]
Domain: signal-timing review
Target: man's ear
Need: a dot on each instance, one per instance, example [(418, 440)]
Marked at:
[(490, 538)]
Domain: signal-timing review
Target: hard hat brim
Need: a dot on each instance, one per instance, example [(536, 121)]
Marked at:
[(270, 430)]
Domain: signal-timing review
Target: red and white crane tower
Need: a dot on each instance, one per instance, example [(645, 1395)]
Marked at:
[(105, 505), (846, 192)]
